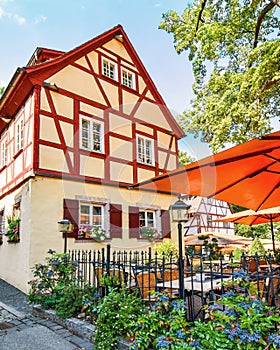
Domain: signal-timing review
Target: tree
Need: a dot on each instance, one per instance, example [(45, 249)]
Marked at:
[(235, 53), (1, 90), (256, 248), (184, 158)]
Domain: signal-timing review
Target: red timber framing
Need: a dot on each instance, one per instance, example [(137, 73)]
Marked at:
[(30, 81)]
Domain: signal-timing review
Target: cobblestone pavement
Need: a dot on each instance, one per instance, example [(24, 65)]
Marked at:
[(19, 330)]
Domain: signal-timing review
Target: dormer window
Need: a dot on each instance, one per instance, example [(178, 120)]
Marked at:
[(109, 69)]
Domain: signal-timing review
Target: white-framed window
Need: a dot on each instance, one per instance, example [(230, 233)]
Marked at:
[(92, 214), (145, 150), (128, 78), (4, 152), (91, 134), (147, 218), (226, 225), (19, 135), (109, 69)]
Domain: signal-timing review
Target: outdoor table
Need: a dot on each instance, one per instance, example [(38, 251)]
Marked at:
[(268, 266), (194, 287)]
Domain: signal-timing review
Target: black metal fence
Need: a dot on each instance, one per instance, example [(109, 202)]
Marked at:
[(204, 278)]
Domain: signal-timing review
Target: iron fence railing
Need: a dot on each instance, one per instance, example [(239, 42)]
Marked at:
[(205, 278)]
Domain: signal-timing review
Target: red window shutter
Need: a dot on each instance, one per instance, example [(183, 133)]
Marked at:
[(133, 222), (71, 212), (165, 224), (115, 221)]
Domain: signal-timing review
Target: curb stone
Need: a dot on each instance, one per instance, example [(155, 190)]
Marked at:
[(77, 327)]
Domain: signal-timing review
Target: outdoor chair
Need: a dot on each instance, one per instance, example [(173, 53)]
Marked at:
[(273, 290), (146, 283)]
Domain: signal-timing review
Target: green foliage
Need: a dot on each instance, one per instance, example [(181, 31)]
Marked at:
[(51, 278), (237, 253), (76, 299), (211, 246), (165, 327), (13, 228), (1, 90), (237, 322), (117, 314), (184, 158), (256, 247), (234, 49), (167, 249)]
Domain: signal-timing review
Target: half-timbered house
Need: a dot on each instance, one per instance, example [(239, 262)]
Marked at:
[(203, 215), (77, 129)]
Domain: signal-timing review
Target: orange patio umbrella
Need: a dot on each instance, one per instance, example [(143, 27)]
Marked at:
[(251, 217), (246, 175)]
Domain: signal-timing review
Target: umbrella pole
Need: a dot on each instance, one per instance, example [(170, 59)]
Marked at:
[(272, 235)]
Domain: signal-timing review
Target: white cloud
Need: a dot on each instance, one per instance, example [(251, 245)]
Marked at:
[(157, 4), (20, 20), (40, 19), (1, 12)]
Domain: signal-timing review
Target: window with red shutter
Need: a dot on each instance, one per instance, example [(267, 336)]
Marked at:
[(115, 221), (165, 224), (133, 222), (71, 212)]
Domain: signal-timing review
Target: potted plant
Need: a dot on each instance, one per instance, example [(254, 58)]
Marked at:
[(1, 237), (149, 233), (98, 233), (13, 229)]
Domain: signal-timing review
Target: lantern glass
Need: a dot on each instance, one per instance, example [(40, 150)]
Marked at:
[(65, 226), (179, 211)]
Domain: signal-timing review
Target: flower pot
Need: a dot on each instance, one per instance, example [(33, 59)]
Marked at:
[(87, 235)]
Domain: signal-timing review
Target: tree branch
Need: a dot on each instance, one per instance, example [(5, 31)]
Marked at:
[(268, 85), (260, 19), (199, 18)]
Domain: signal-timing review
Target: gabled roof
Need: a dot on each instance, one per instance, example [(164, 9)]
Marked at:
[(35, 73)]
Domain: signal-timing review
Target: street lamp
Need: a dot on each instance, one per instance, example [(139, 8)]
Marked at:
[(179, 213), (65, 226)]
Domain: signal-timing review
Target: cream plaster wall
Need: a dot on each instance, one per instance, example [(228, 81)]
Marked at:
[(144, 174), (151, 112), (15, 258), (120, 125), (47, 129), (52, 159), (84, 107), (163, 140), (147, 130), (90, 166), (121, 172), (79, 82), (121, 149), (63, 105), (111, 92), (93, 57), (42, 208), (117, 47)]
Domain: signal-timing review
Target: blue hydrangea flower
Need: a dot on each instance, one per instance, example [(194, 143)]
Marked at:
[(162, 342)]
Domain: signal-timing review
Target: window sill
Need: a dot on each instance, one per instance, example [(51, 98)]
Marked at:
[(86, 240)]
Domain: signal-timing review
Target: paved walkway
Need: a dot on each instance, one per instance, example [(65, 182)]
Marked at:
[(19, 330)]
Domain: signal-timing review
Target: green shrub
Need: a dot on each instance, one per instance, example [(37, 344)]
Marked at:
[(117, 314), (165, 327), (51, 278), (76, 299)]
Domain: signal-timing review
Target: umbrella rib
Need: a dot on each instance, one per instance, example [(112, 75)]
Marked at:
[(240, 180), (269, 194)]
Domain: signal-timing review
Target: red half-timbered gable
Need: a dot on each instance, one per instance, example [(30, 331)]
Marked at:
[(101, 84)]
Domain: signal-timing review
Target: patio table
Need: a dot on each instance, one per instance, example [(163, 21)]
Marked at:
[(193, 287)]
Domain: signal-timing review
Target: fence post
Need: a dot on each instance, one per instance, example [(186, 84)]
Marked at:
[(108, 253)]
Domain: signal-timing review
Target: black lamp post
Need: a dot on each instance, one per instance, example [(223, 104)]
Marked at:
[(179, 213), (65, 226)]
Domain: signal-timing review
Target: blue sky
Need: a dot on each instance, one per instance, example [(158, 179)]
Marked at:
[(65, 24)]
